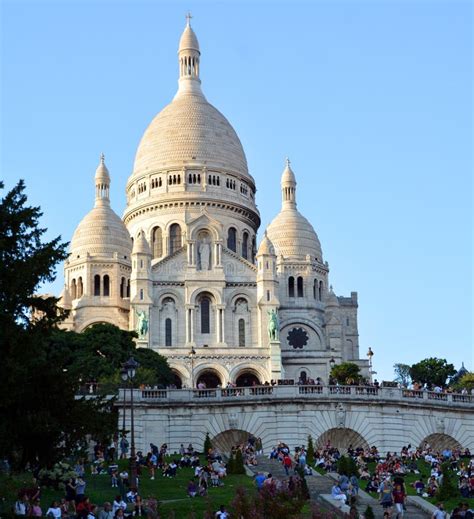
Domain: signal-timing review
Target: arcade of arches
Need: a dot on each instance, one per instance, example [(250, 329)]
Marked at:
[(225, 440), (212, 379)]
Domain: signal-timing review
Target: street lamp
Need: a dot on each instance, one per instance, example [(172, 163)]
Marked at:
[(192, 353), (129, 370), (370, 354), (124, 377), (332, 362)]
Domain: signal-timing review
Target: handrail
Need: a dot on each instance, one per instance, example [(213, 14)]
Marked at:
[(314, 392)]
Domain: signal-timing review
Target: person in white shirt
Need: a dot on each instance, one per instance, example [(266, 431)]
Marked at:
[(54, 510), (221, 513), (118, 503)]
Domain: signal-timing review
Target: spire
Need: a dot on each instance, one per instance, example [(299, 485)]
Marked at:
[(288, 187), (102, 183), (189, 61)]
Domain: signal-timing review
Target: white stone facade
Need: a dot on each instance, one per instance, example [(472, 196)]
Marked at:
[(182, 266)]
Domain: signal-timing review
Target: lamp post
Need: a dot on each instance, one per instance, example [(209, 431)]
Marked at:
[(124, 377), (130, 369), (192, 353), (332, 363), (370, 354)]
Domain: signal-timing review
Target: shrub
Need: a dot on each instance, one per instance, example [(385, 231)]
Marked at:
[(239, 463), (310, 451), (369, 513), (207, 444), (231, 465), (448, 487), (57, 477)]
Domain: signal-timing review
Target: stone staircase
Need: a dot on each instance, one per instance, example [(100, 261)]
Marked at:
[(320, 491)]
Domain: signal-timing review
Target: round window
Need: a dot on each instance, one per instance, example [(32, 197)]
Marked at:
[(297, 337)]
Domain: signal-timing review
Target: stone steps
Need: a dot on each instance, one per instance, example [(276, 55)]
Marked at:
[(320, 486)]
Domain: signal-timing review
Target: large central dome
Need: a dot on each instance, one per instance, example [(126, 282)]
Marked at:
[(190, 131)]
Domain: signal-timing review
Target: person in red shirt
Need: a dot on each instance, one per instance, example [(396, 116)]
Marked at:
[(398, 495), (287, 463)]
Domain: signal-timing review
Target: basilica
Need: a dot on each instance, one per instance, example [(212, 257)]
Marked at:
[(182, 267)]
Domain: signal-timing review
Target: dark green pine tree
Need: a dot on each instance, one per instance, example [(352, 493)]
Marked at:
[(40, 419), (207, 444), (310, 451)]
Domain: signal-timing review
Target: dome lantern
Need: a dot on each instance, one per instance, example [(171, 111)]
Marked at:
[(189, 61), (288, 187), (102, 183)]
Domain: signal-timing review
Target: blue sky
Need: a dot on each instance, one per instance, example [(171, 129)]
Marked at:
[(372, 102)]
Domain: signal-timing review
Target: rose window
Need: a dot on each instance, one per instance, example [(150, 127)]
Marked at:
[(297, 337)]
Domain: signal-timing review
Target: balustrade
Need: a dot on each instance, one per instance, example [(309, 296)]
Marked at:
[(289, 391)]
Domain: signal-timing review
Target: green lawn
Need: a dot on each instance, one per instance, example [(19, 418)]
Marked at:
[(170, 492)]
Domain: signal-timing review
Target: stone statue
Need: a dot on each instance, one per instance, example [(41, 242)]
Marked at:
[(142, 324), (341, 417), (204, 253), (273, 326)]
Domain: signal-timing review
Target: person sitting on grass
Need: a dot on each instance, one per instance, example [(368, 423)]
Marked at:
[(192, 488), (106, 512), (118, 503), (419, 486), (221, 513)]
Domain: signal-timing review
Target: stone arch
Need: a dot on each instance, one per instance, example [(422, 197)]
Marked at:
[(306, 322), (441, 441), (216, 295), (92, 322), (178, 379), (342, 438), (203, 226), (218, 370), (182, 371), (225, 440), (248, 367), (174, 294)]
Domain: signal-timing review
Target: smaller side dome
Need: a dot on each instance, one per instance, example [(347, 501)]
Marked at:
[(140, 245), (266, 247)]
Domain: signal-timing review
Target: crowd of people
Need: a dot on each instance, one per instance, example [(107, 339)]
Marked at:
[(127, 501)]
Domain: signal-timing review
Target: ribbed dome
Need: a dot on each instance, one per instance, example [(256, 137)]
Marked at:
[(188, 39), (190, 130), (101, 233), (292, 235)]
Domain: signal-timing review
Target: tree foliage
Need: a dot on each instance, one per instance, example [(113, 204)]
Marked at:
[(40, 418), (448, 487), (466, 382), (310, 451), (346, 373), (402, 374), (207, 444), (432, 371), (99, 353)]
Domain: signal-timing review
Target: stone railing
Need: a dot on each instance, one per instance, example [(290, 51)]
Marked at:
[(316, 393)]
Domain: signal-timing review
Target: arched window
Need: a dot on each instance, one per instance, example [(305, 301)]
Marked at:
[(168, 332), (242, 333), (232, 239), (156, 242), (299, 283), (205, 315), (128, 288), (291, 286), (315, 289), (175, 238), (122, 288), (97, 285), (106, 291), (80, 288), (245, 245), (254, 249), (73, 289), (320, 291)]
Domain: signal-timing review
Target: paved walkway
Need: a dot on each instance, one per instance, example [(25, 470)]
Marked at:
[(320, 490)]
